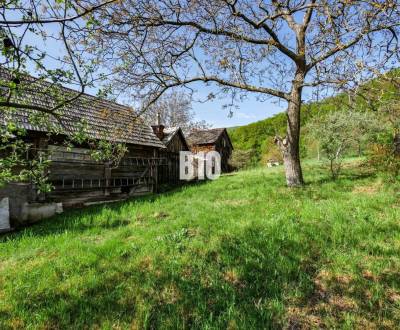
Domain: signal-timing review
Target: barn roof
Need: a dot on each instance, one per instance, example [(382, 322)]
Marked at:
[(208, 136), (170, 132), (96, 117)]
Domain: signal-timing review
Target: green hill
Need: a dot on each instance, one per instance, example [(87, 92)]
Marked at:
[(257, 138)]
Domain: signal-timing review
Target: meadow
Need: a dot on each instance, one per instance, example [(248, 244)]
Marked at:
[(241, 252)]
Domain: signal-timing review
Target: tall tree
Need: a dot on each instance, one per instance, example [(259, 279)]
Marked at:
[(273, 48), (174, 110)]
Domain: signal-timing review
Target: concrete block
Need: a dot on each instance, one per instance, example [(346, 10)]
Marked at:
[(33, 212), (4, 215)]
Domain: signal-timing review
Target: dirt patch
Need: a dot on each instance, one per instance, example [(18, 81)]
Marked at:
[(393, 296), (320, 283), (232, 277), (344, 279), (330, 297), (302, 318), (369, 189), (326, 279), (342, 303), (146, 264), (170, 295), (368, 275)]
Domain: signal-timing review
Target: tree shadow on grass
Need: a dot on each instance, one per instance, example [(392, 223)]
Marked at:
[(245, 280), (82, 219), (101, 300), (342, 177), (242, 280)]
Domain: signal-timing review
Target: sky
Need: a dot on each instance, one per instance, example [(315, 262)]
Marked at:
[(248, 111)]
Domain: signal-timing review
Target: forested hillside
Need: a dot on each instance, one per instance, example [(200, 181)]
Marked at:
[(257, 139)]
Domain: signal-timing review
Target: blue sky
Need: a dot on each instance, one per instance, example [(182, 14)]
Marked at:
[(249, 111), (213, 112)]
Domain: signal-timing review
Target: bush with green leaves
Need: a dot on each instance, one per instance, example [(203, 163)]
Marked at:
[(241, 159), (340, 132)]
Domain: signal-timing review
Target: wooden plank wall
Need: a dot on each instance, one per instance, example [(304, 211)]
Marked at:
[(76, 177), (168, 173)]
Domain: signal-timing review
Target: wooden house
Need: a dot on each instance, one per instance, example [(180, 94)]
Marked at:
[(76, 177), (175, 142), (216, 139)]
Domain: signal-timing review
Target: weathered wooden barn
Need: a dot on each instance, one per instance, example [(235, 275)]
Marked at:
[(216, 139), (77, 178), (175, 142)]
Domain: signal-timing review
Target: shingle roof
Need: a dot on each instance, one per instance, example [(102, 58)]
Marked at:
[(103, 119), (208, 136), (170, 132)]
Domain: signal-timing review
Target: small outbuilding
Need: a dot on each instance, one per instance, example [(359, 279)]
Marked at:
[(216, 139), (175, 142)]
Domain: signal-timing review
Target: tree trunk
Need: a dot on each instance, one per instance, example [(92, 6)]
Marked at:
[(293, 172), (290, 145)]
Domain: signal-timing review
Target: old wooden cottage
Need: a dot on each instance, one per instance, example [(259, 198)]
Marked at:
[(216, 139), (76, 176), (175, 142)]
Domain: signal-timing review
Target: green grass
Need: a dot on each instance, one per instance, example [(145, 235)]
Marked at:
[(242, 252)]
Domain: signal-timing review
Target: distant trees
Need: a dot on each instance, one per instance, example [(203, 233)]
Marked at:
[(385, 153), (241, 159), (174, 109), (338, 131)]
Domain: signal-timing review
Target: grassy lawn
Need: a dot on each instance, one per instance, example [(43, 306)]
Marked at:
[(243, 252)]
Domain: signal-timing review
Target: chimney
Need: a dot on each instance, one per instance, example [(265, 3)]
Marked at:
[(158, 129)]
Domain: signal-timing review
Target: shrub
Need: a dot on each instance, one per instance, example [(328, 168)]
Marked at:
[(385, 158), (241, 159)]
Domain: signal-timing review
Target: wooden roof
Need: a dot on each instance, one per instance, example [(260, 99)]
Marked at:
[(170, 132), (201, 137), (96, 117)]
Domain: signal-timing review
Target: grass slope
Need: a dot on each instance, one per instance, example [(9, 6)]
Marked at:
[(243, 252)]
